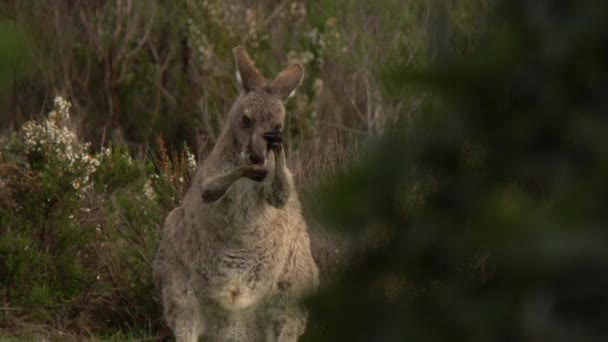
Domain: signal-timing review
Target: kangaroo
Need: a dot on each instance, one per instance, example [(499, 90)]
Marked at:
[(235, 257)]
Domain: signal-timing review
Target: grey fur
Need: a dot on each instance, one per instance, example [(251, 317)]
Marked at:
[(235, 257)]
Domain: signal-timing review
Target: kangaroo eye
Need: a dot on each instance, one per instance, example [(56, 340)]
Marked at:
[(247, 122)]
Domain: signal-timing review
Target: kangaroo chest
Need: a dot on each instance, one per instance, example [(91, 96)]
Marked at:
[(248, 249), (240, 277), (239, 264)]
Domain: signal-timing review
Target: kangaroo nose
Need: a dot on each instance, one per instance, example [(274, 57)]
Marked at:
[(256, 159)]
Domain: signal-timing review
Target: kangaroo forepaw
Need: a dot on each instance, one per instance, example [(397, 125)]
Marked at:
[(274, 140), (256, 173)]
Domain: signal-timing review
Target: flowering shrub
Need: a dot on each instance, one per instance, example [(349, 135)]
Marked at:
[(79, 228), (55, 152)]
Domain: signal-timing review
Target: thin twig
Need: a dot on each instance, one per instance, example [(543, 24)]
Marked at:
[(268, 19)]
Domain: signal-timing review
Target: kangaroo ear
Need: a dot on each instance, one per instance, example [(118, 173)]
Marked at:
[(287, 81), (250, 76)]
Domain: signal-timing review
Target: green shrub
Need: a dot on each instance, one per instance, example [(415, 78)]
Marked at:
[(78, 229)]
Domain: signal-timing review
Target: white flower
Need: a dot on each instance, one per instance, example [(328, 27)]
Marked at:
[(149, 191), (106, 151), (59, 144), (62, 109), (191, 160)]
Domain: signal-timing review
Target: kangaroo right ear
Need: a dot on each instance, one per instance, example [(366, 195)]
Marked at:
[(249, 75), (287, 81)]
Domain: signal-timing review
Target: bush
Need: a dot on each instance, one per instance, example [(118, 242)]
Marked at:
[(79, 229)]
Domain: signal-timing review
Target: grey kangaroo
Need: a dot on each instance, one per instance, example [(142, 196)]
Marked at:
[(235, 257)]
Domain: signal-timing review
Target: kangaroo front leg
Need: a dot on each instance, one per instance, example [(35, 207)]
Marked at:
[(215, 187), (279, 189)]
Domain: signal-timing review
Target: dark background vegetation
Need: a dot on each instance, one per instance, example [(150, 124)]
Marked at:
[(451, 155)]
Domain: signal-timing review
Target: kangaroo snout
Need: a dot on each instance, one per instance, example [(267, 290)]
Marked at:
[(253, 158), (255, 152), (257, 159)]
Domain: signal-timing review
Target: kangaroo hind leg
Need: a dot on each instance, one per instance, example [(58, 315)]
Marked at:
[(182, 312)]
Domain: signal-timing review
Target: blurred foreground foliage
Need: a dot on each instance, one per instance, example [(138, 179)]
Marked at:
[(494, 203)]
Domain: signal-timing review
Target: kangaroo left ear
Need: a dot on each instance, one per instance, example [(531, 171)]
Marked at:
[(287, 81), (246, 70)]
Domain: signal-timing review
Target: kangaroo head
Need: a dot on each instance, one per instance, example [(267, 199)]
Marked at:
[(260, 109)]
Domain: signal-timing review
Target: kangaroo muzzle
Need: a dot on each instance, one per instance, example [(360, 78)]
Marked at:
[(257, 149)]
